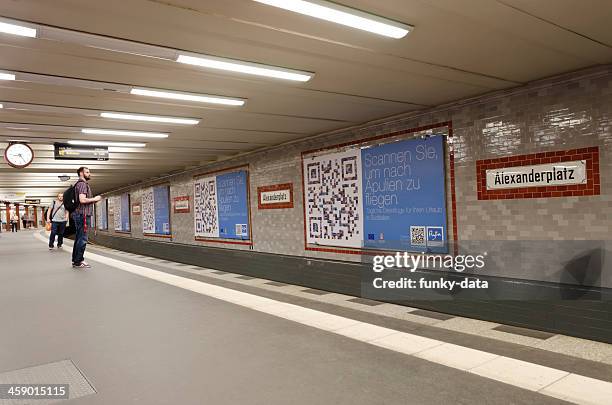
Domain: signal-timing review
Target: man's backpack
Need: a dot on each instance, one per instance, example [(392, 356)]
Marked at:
[(71, 199)]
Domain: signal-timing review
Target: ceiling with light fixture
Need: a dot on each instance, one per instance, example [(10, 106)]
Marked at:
[(197, 81)]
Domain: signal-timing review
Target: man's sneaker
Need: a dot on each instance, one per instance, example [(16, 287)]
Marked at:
[(81, 265), (50, 247), (59, 246)]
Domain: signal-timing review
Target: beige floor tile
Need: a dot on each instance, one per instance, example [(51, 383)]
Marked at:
[(581, 390), (462, 358), (520, 373), (406, 343), (365, 332)]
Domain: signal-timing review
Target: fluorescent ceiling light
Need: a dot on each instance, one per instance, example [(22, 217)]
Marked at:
[(239, 66), (14, 29), (96, 131), (201, 98), (7, 76), (150, 118), (1, 106), (339, 14), (104, 143)]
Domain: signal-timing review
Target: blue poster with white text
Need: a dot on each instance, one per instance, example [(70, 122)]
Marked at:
[(233, 205), (404, 202), (161, 198), (125, 212)]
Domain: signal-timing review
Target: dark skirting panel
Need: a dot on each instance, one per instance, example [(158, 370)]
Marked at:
[(559, 308)]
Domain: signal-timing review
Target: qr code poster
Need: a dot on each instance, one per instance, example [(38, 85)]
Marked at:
[(334, 214), (205, 207), (116, 207), (148, 211), (102, 211)]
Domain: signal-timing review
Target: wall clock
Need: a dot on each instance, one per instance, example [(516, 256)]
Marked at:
[(19, 155)]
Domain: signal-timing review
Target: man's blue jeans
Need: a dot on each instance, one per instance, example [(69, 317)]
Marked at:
[(82, 223), (57, 228)]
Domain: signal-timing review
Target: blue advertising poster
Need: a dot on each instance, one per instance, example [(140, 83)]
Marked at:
[(125, 212), (161, 198), (404, 202), (233, 205)]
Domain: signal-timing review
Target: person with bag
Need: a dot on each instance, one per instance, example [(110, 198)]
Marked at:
[(14, 221), (57, 216), (79, 202)]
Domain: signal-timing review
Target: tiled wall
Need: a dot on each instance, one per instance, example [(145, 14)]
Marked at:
[(562, 239)]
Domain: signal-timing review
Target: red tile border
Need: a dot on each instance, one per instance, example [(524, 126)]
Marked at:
[(357, 251), (592, 186), (227, 169), (157, 235), (275, 187), (451, 160), (230, 242)]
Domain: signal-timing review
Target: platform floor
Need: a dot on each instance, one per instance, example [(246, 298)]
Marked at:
[(141, 333)]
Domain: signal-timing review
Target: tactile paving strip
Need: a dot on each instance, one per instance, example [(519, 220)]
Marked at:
[(60, 372)]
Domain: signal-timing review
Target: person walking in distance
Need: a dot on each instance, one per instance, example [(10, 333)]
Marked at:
[(57, 215), (81, 217), (14, 221)]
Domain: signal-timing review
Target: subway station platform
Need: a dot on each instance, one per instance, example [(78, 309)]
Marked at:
[(306, 202), (140, 330)]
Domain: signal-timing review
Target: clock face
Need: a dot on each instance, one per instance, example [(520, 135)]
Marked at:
[(19, 155)]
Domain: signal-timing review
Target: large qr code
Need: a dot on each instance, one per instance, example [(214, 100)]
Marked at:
[(333, 199), (205, 207), (417, 236), (116, 204), (148, 211)]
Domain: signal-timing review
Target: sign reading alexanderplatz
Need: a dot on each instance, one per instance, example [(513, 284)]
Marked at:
[(275, 196), (551, 174), (562, 173)]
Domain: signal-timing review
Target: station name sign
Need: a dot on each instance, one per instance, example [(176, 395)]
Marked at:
[(275, 196), (65, 151), (560, 173), (181, 204), (32, 201), (550, 174), (136, 209)]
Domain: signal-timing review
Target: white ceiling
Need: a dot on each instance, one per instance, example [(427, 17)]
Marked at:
[(458, 49)]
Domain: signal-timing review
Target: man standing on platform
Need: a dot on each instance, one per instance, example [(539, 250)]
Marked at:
[(81, 217)]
